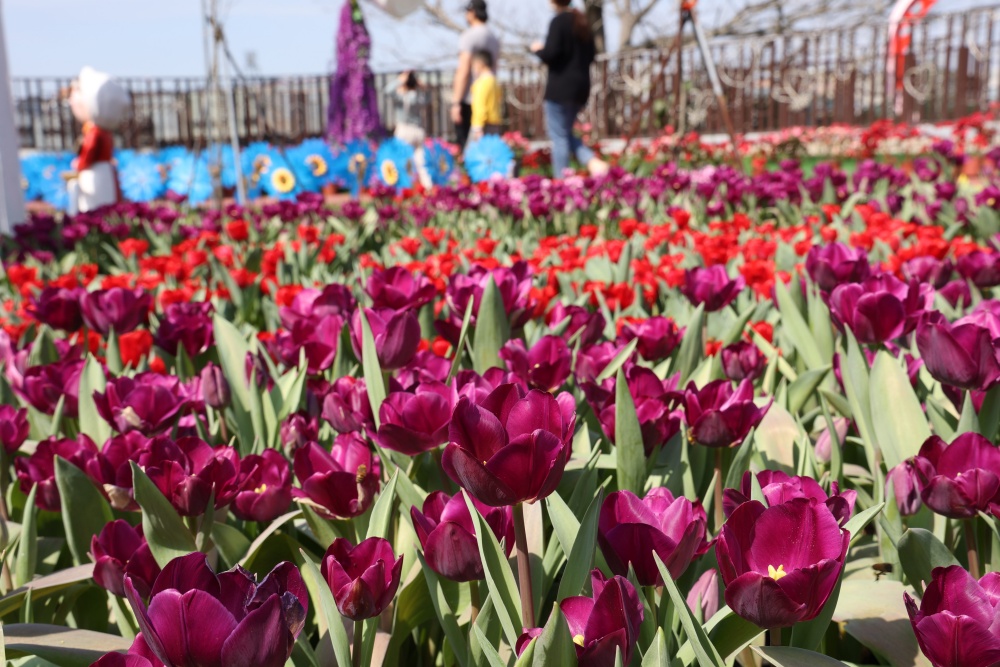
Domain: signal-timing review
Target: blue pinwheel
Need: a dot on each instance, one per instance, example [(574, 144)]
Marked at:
[(394, 164), (141, 178), (440, 162), (312, 161), (190, 177), (220, 160), (353, 166), (256, 160), (51, 185), (487, 158)]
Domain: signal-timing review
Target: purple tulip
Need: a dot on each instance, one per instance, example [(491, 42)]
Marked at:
[(312, 305), (980, 268), (704, 595), (39, 469), (298, 430), (958, 621), (187, 325), (58, 307), (43, 386), (780, 564), (956, 293), (189, 471), (779, 487), (592, 361), (425, 367), (121, 550), (835, 264), (655, 404), (601, 625), (448, 536), (112, 469), (718, 416), (711, 287), (196, 617), (318, 338), (363, 578), (658, 337), (215, 389), (341, 483), (545, 366), (824, 443), (908, 480), (960, 354), (589, 324), (396, 334), (346, 406), (513, 284), (264, 487), (121, 309), (930, 270), (965, 478), (148, 403), (513, 447), (881, 309), (630, 531), (397, 288), (13, 428), (413, 423), (742, 361)]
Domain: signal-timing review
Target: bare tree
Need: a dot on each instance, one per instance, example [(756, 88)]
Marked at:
[(595, 17)]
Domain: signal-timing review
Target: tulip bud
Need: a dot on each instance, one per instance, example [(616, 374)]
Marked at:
[(363, 579), (215, 387), (704, 595), (121, 550)]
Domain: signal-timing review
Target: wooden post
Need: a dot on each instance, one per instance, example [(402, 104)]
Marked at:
[(11, 198)]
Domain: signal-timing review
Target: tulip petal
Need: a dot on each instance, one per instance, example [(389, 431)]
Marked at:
[(453, 552), (949, 640), (261, 639), (192, 628), (759, 599), (476, 430), (795, 535), (469, 473)]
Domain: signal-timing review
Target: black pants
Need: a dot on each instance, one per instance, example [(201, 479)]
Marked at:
[(462, 129)]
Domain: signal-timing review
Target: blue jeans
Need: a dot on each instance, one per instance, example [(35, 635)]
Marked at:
[(559, 120)]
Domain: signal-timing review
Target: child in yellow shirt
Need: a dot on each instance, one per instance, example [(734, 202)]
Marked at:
[(487, 98)]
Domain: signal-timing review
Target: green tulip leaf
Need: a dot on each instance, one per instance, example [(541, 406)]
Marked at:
[(787, 656), (618, 361), (163, 528), (374, 382), (499, 578), (27, 547), (919, 553), (796, 328), (581, 555), (91, 423), (901, 427), (628, 440), (85, 512), (492, 329), (705, 652), (555, 645), (692, 347), (656, 654), (445, 614), (68, 647), (326, 609)]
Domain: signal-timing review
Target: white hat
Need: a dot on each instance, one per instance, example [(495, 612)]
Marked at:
[(108, 103), (399, 8)]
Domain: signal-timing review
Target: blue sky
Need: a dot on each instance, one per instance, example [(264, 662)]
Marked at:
[(164, 38)]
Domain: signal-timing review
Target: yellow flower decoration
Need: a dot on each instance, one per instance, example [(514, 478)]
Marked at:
[(317, 164), (283, 180), (390, 173)]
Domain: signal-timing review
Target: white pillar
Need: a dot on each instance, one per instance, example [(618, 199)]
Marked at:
[(11, 197)]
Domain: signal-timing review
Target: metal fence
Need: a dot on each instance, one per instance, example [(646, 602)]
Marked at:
[(771, 82)]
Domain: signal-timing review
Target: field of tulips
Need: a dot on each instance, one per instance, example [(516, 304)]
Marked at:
[(689, 417)]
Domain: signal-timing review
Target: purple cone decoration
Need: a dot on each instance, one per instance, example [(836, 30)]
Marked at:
[(353, 110)]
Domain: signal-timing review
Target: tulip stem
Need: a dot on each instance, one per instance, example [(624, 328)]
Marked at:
[(523, 567), (972, 547), (474, 602), (651, 600), (359, 638), (720, 516), (774, 638)]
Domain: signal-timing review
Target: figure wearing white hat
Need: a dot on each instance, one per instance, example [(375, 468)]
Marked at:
[(100, 104)]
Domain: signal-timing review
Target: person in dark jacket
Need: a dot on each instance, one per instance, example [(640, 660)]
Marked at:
[(568, 52)]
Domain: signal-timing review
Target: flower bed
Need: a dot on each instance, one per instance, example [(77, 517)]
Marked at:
[(672, 419)]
